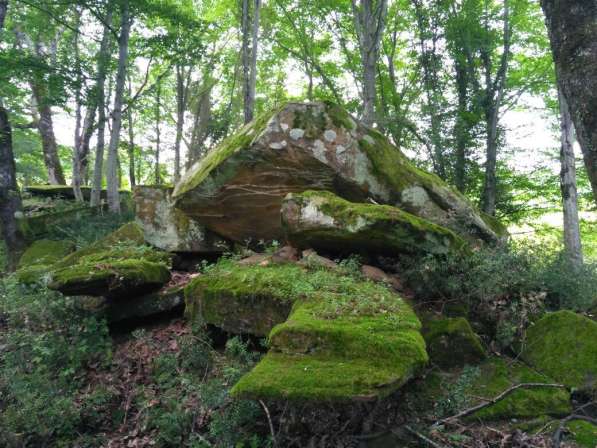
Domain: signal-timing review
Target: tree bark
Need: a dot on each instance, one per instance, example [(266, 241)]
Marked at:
[(250, 37), (369, 19), (112, 164), (572, 242), (77, 174), (3, 11), (100, 93), (131, 143), (10, 200), (494, 93), (158, 119), (200, 126), (572, 27)]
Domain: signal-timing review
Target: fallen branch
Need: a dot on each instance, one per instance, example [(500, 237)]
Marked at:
[(557, 436), (269, 421), (499, 397)]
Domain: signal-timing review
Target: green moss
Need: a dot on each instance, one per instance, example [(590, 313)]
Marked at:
[(312, 123), (451, 342), (37, 260), (238, 141), (111, 278), (497, 375), (130, 234), (583, 433), (369, 227), (340, 116), (563, 345)]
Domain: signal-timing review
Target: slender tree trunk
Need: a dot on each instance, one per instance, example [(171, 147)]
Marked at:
[(158, 119), (572, 243), (250, 36), (100, 93), (3, 10), (131, 143), (180, 108), (369, 19), (493, 101), (10, 200), (460, 129), (76, 178), (201, 123), (45, 127), (112, 164), (572, 27)]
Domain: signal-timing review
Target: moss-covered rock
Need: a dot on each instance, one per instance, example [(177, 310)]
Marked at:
[(169, 228), (583, 433), (563, 345), (451, 342), (237, 189), (158, 302), (38, 259), (322, 220), (499, 374), (116, 266)]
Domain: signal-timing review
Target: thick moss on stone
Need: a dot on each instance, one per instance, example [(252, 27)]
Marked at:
[(563, 345), (324, 221), (110, 277), (38, 259), (157, 302), (451, 342), (497, 375)]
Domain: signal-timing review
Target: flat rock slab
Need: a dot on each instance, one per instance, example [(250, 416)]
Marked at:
[(321, 220), (237, 189)]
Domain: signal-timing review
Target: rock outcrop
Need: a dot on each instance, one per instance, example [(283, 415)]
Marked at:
[(331, 337), (170, 229), (38, 259), (321, 220), (563, 345), (238, 188)]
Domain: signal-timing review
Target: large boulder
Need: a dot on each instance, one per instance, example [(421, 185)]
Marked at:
[(37, 260), (169, 228), (331, 337), (237, 189), (322, 220), (563, 345)]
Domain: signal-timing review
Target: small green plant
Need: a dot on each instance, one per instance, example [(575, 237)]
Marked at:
[(456, 396)]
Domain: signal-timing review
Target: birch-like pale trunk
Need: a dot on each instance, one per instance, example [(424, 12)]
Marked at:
[(158, 119), (100, 94), (112, 163), (572, 242), (369, 19), (131, 142), (250, 38)]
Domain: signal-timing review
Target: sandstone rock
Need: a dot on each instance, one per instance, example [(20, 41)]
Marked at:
[(237, 189), (451, 342), (321, 220), (310, 258), (377, 275), (563, 345), (117, 266), (168, 228), (164, 300), (331, 337), (285, 254), (256, 259)]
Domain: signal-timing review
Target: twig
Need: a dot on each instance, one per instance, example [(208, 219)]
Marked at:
[(420, 436), (269, 421), (499, 397)]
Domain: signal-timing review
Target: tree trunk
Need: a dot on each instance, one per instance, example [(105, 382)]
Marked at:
[(180, 108), (100, 93), (369, 19), (572, 243), (201, 123), (158, 119), (45, 127), (3, 10), (460, 128), (572, 27), (250, 36), (112, 164), (10, 200), (131, 143), (76, 178)]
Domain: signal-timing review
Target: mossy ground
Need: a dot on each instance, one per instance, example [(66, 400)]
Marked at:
[(563, 345), (583, 433), (37, 260), (498, 374), (451, 342), (358, 338)]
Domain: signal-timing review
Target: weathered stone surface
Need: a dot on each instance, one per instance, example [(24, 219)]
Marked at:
[(321, 220), (312, 259), (378, 275), (451, 342), (563, 345), (237, 189), (168, 228), (157, 302)]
